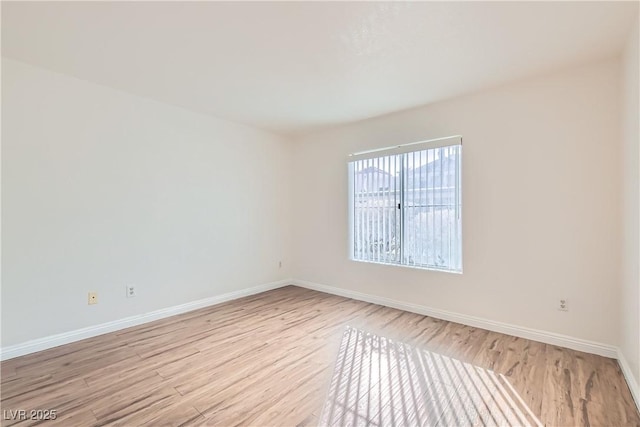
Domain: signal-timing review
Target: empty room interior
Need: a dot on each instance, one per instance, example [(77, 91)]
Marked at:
[(320, 213)]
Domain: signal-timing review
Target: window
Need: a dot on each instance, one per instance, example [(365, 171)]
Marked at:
[(405, 205)]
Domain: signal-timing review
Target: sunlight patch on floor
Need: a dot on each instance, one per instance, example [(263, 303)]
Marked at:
[(381, 382)]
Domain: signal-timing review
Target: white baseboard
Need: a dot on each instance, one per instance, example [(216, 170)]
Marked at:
[(478, 322), (631, 379), (92, 331)]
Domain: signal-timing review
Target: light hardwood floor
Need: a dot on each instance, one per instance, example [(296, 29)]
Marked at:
[(292, 356)]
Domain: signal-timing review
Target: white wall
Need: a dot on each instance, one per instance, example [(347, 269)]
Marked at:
[(541, 178), (101, 188), (630, 297)]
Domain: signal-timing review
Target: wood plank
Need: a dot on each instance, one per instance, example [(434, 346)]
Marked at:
[(271, 359)]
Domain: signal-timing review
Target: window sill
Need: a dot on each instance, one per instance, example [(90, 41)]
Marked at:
[(414, 267)]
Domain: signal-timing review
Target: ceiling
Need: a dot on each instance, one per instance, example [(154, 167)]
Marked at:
[(294, 67)]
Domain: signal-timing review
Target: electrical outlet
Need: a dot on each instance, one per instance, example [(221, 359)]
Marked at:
[(131, 291), (563, 304), (93, 298)]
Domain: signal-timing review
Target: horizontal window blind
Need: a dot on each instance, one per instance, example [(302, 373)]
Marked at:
[(405, 207)]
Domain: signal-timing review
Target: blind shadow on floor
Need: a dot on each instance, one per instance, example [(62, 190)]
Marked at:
[(380, 382)]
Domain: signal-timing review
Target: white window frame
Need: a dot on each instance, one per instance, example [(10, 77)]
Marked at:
[(393, 151)]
